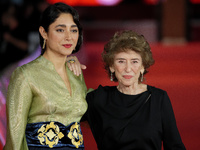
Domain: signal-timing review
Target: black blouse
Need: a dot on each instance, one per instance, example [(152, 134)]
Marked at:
[(132, 122)]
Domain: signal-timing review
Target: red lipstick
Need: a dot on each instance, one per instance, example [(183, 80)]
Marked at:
[(67, 45), (127, 76)]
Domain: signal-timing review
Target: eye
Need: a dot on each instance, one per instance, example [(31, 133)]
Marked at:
[(60, 30), (135, 62), (74, 30), (120, 61)]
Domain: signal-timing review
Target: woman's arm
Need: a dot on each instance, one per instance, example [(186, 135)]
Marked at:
[(171, 136), (18, 104)]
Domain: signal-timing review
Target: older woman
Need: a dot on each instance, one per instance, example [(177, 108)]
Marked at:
[(131, 115), (45, 99)]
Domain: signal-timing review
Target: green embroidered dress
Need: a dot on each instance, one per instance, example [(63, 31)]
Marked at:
[(37, 93)]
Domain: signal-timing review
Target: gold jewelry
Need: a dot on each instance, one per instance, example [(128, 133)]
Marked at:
[(71, 61), (44, 43)]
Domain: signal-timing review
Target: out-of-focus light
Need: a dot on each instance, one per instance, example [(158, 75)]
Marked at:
[(87, 2), (151, 2), (195, 1), (108, 2)]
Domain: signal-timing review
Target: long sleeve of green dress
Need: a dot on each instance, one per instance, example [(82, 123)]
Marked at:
[(37, 93)]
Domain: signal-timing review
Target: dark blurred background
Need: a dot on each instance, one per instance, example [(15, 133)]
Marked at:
[(172, 28), (158, 20)]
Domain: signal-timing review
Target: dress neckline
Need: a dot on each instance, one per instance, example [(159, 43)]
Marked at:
[(130, 94)]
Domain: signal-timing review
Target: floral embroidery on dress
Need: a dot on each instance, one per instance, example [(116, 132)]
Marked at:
[(75, 135), (49, 134)]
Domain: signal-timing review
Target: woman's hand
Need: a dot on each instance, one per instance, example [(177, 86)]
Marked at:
[(74, 65)]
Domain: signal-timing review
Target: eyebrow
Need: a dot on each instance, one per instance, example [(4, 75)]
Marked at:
[(64, 26), (125, 59)]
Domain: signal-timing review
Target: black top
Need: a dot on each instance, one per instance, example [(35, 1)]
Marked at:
[(132, 122)]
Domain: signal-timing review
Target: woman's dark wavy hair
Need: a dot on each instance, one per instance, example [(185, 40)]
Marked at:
[(52, 12), (122, 42)]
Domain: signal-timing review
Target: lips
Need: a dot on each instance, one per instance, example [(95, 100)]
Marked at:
[(127, 76), (67, 45)]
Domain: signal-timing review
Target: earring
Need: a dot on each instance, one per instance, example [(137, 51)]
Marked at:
[(44, 43), (111, 76), (141, 79)]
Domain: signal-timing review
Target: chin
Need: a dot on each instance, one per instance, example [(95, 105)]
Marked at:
[(128, 83), (67, 53)]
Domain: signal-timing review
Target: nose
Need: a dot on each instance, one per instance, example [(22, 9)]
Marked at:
[(68, 35), (128, 67)]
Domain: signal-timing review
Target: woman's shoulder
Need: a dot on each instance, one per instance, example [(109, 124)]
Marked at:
[(103, 89), (100, 94), (156, 91), (31, 63), (26, 67)]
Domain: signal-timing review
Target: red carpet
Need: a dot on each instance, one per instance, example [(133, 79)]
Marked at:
[(176, 70)]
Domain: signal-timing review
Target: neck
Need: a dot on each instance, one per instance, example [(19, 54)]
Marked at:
[(58, 61), (132, 89)]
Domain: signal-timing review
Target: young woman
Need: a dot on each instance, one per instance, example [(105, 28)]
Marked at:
[(45, 99)]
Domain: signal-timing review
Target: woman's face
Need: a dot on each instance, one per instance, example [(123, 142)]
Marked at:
[(127, 67), (62, 35)]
